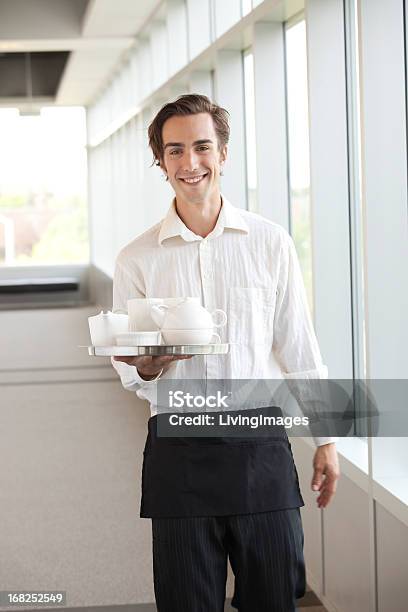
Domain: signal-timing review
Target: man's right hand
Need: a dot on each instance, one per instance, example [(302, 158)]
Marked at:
[(148, 367)]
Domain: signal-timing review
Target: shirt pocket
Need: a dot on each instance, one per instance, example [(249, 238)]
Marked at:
[(249, 315)]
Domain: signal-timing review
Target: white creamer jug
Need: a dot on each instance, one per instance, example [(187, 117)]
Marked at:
[(105, 326)]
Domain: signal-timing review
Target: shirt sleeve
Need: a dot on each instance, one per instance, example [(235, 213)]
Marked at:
[(125, 287), (295, 344)]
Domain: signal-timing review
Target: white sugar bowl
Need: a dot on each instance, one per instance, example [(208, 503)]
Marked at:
[(105, 326)]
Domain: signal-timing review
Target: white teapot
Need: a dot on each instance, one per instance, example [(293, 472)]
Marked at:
[(188, 314), (105, 326), (187, 322)]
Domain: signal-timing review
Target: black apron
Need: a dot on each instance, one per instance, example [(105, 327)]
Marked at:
[(218, 476)]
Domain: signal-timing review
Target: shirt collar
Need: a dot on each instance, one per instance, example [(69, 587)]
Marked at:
[(229, 218)]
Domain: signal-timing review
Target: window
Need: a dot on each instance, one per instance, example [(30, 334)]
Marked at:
[(246, 7), (298, 140), (356, 198), (43, 210), (250, 135)]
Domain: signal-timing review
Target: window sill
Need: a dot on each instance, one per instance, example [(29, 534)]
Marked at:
[(392, 494)]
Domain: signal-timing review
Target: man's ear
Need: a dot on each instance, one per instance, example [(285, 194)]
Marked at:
[(223, 153)]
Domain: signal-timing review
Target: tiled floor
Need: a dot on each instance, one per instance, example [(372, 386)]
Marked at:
[(308, 603), (311, 603)]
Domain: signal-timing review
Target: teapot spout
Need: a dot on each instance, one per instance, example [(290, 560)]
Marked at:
[(158, 314)]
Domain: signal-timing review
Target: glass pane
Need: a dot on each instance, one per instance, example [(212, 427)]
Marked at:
[(249, 93), (246, 7), (356, 198), (43, 208), (298, 137)]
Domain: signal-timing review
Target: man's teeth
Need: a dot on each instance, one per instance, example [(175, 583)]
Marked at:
[(194, 179)]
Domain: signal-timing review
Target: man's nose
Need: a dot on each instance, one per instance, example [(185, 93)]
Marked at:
[(190, 161)]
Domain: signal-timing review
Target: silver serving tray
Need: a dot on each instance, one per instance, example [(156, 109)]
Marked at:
[(177, 349)]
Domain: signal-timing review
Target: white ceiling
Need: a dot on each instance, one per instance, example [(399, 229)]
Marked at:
[(97, 32)]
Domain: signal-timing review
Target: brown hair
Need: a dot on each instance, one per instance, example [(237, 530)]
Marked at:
[(188, 104)]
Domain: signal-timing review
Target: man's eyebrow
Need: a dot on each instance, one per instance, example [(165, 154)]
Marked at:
[(173, 144), (181, 144)]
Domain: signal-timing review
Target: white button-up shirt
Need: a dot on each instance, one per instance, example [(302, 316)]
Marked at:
[(248, 267)]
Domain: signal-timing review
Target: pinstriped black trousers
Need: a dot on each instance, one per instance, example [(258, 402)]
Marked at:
[(265, 551)]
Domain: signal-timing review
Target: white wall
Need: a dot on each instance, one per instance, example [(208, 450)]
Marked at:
[(340, 540), (70, 459)]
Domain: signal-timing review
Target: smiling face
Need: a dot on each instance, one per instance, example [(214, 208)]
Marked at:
[(192, 158)]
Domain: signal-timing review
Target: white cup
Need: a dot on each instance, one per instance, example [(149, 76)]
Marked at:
[(139, 314), (147, 338)]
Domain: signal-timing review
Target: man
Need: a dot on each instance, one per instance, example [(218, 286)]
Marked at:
[(209, 502)]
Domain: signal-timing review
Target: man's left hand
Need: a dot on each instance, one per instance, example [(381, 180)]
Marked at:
[(326, 473)]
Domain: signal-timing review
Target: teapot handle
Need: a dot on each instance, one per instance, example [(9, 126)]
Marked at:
[(223, 317), (160, 309), (160, 306)]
